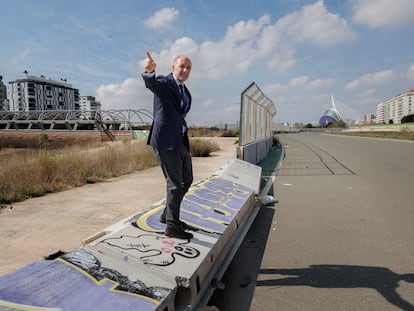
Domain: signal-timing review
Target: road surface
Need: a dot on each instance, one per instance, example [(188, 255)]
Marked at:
[(341, 236)]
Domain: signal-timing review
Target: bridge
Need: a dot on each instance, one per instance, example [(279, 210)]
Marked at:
[(73, 120)]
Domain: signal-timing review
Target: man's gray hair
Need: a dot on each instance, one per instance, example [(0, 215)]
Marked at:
[(175, 60)]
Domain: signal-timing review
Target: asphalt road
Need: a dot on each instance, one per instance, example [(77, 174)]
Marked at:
[(341, 236)]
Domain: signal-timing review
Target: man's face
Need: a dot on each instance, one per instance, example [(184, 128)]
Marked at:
[(182, 68)]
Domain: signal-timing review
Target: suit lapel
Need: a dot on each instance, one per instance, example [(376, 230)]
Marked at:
[(177, 95)]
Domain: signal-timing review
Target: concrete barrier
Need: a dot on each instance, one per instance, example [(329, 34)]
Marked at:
[(132, 265), (256, 151)]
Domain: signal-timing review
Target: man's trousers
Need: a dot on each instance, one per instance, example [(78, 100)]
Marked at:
[(177, 168)]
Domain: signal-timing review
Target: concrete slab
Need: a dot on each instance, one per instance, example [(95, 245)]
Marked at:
[(134, 257), (55, 285), (243, 173)]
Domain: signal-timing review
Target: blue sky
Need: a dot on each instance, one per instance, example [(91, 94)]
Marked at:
[(299, 52)]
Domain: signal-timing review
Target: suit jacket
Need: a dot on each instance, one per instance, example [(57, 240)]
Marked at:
[(168, 118)]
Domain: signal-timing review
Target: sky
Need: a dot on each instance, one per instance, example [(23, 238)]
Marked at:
[(298, 52)]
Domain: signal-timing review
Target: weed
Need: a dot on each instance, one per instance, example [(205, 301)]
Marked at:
[(203, 148), (36, 172)]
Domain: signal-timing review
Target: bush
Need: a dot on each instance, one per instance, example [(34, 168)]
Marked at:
[(337, 124), (203, 148), (37, 172), (44, 141), (230, 133)]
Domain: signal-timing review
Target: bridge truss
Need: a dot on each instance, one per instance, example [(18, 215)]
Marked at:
[(73, 120)]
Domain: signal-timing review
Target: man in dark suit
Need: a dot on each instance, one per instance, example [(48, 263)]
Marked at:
[(168, 137)]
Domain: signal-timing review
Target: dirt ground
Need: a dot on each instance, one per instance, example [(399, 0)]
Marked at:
[(37, 227)]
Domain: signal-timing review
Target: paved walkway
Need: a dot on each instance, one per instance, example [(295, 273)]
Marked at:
[(39, 226)]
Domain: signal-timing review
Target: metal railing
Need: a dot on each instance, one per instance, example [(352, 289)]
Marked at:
[(124, 119)]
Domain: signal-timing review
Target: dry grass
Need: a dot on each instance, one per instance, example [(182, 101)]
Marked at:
[(203, 148), (211, 132), (35, 172), (26, 173)]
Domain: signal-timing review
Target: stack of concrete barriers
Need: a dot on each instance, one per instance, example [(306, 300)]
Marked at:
[(132, 265)]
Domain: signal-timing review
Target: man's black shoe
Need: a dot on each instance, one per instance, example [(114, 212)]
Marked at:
[(163, 220), (178, 233)]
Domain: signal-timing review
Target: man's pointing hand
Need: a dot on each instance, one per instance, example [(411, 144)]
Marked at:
[(149, 65)]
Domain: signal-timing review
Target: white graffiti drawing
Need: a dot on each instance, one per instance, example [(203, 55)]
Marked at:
[(153, 249)]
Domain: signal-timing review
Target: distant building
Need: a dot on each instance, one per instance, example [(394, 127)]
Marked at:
[(394, 109), (367, 119), (330, 115), (88, 104), (33, 93), (3, 95)]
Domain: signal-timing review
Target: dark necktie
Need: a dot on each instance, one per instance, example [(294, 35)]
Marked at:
[(184, 99)]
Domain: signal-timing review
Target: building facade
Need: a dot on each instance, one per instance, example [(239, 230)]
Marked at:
[(366, 119), (329, 116), (87, 105), (33, 93), (3, 95), (394, 109)]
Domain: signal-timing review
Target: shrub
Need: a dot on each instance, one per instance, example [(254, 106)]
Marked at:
[(230, 133), (44, 141), (203, 148), (37, 172)]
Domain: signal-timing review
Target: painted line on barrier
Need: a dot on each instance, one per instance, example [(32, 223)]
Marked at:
[(208, 206)]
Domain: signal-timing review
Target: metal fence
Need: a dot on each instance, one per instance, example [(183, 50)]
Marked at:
[(256, 114)]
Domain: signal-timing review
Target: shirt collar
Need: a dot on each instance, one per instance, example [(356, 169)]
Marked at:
[(177, 81)]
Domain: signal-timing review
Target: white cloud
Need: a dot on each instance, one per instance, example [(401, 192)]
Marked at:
[(372, 79), (246, 46), (130, 94), (410, 72), (298, 82), (162, 18), (246, 42), (90, 27), (92, 70), (383, 13), (301, 82), (321, 83), (246, 30), (282, 60), (275, 88), (315, 24)]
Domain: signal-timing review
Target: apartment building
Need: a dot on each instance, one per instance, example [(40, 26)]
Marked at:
[(394, 109), (87, 105), (28, 93), (3, 95), (366, 119)]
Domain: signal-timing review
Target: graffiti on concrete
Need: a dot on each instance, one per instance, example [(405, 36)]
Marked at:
[(153, 249), (91, 264), (131, 266), (59, 285), (209, 206)]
